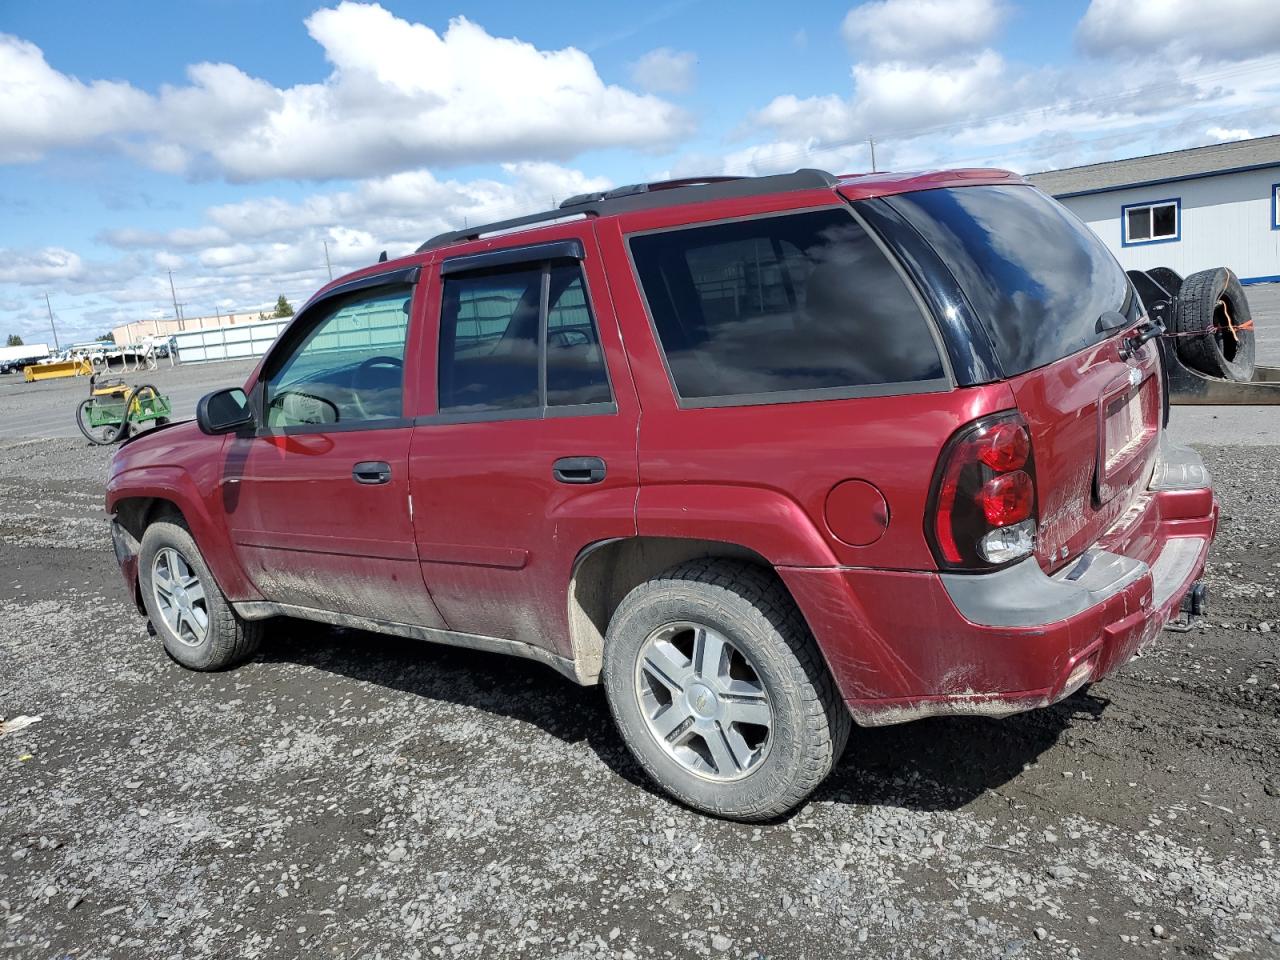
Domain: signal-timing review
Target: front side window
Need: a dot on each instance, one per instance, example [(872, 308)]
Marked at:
[(1146, 222), (492, 330), (349, 365), (782, 305)]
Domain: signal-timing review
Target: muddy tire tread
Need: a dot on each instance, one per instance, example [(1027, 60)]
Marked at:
[(757, 593)]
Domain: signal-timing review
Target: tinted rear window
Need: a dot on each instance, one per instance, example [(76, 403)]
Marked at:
[(782, 305), (1036, 275)]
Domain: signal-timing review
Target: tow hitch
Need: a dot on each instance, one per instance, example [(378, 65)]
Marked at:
[(1193, 605)]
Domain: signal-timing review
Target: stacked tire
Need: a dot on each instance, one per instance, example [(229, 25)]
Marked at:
[(1211, 322)]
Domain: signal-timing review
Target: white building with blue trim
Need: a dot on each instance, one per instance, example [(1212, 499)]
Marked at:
[(1215, 206)]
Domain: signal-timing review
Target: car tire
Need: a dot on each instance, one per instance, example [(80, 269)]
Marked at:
[(1211, 310), (186, 607), (717, 759)]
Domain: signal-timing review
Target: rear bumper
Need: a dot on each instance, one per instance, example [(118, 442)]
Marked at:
[(904, 645)]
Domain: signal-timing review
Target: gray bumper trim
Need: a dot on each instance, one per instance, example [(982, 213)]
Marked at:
[(1023, 596), (1174, 566), (1178, 468)]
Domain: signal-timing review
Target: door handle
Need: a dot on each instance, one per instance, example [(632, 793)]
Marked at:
[(578, 469), (371, 471)]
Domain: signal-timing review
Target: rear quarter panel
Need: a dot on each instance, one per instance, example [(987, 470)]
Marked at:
[(758, 475)]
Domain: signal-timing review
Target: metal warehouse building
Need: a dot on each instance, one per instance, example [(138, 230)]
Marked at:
[(1189, 209)]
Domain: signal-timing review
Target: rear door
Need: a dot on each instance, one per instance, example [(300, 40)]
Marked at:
[(528, 453), (1056, 308)]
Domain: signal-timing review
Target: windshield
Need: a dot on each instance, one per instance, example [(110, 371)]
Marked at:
[(1036, 275)]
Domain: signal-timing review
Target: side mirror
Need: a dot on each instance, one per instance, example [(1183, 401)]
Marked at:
[(224, 411)]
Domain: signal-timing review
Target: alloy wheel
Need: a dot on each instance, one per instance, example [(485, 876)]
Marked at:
[(703, 701), (180, 597)]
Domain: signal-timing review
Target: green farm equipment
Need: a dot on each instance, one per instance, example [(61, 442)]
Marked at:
[(114, 410)]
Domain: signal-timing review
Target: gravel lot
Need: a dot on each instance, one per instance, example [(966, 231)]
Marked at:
[(348, 795)]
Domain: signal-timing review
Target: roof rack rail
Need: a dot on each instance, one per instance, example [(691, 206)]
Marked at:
[(640, 196)]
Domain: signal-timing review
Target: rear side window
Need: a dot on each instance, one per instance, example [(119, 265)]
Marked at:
[(575, 361), (489, 341), (796, 306), (1035, 275)]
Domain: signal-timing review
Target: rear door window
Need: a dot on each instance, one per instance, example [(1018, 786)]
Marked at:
[(503, 354), (575, 361), (1036, 276), (489, 341), (798, 306)]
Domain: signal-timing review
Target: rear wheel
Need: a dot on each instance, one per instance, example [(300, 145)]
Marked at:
[(1215, 335), (720, 692), (194, 620)]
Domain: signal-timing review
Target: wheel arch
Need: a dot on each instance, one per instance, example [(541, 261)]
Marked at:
[(606, 571), (138, 498)]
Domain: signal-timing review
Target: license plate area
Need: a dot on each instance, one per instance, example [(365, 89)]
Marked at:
[(1130, 422)]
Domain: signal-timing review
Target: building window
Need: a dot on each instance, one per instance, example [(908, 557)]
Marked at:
[(1157, 222), (1275, 206)]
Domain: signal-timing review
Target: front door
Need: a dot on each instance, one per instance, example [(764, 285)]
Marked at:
[(318, 499), (530, 453)]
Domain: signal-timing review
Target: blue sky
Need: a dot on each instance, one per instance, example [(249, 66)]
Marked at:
[(228, 140)]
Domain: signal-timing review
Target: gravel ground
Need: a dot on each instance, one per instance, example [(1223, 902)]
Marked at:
[(349, 795)]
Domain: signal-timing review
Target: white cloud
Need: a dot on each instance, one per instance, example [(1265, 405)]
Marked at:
[(665, 71), (893, 97), (1224, 30), (39, 266), (247, 253), (962, 103), (42, 109), (399, 95), (919, 30)]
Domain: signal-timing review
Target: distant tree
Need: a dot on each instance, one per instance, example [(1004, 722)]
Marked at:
[(283, 307), (107, 338), (16, 341), (263, 316)]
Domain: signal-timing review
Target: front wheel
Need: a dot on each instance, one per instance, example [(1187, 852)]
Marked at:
[(188, 610), (720, 692)]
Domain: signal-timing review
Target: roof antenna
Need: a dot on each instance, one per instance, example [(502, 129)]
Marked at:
[(382, 257)]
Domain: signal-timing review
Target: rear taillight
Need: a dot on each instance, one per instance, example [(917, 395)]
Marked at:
[(983, 505)]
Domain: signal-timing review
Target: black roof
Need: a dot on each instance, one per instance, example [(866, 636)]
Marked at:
[(642, 196)]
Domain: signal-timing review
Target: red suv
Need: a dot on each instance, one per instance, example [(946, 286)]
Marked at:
[(761, 454)]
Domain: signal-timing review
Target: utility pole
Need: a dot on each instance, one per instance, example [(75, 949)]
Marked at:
[(872, 141), (328, 265), (177, 314), (49, 307)]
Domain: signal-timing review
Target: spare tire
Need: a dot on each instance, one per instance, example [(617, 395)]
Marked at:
[(1212, 324), (1168, 278)]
